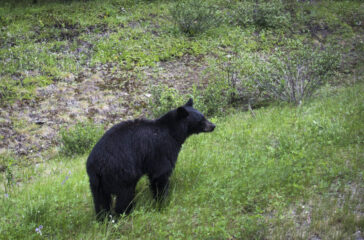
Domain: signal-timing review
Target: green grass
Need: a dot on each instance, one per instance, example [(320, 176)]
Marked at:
[(241, 182)]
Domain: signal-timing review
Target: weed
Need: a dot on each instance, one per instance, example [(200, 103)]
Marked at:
[(7, 162), (9, 175)]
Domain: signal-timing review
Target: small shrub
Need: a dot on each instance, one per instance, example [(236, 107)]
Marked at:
[(264, 14), (286, 75), (194, 16), (214, 99), (220, 89), (164, 99), (79, 138), (298, 74)]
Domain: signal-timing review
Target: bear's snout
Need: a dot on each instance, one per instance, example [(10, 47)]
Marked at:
[(209, 127)]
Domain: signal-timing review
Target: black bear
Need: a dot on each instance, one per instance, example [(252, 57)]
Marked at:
[(134, 148)]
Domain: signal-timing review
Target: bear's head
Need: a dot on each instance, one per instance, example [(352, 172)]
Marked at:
[(195, 121)]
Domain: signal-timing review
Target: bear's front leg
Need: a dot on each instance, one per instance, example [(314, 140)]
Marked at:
[(160, 185), (124, 200)]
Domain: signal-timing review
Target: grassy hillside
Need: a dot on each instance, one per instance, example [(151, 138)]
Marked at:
[(282, 80), (287, 172), (69, 61), (53, 41)]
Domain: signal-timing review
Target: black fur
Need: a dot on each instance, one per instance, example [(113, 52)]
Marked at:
[(132, 149)]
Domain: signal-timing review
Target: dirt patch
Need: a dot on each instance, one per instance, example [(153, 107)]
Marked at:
[(181, 73), (104, 94)]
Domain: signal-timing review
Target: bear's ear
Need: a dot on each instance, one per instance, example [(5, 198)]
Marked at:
[(189, 103), (181, 113)]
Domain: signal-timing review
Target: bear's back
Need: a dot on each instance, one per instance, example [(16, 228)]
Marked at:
[(129, 140), (129, 131)]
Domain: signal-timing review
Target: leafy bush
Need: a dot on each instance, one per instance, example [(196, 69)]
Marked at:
[(80, 138), (290, 76), (194, 16), (265, 14), (220, 91), (164, 99), (215, 98), (286, 75)]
